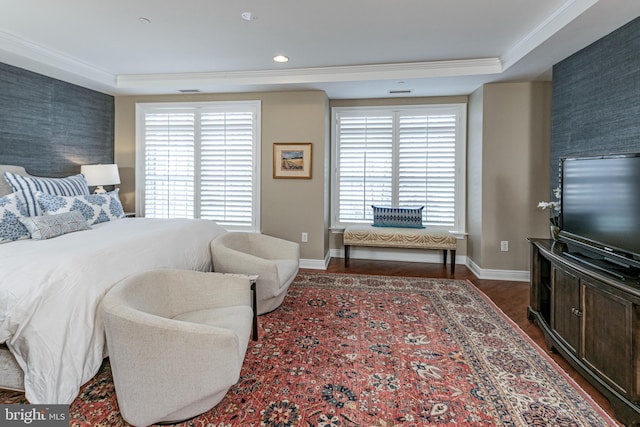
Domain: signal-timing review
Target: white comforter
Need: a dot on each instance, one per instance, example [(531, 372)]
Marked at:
[(50, 291)]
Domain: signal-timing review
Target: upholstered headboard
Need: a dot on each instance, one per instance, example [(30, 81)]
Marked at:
[(4, 186)]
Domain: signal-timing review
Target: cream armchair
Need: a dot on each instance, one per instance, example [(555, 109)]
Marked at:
[(176, 341), (275, 261)]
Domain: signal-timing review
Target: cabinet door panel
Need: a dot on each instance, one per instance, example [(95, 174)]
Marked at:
[(565, 320), (607, 342)]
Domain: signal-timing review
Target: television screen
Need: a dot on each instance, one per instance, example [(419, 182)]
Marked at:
[(601, 201)]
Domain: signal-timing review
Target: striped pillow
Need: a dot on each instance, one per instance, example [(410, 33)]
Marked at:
[(75, 185)]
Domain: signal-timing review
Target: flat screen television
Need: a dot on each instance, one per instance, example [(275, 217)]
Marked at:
[(600, 207)]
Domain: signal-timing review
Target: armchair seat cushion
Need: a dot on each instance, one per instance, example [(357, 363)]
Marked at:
[(236, 319)]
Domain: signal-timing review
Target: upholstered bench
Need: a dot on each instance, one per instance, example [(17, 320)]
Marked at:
[(396, 237)]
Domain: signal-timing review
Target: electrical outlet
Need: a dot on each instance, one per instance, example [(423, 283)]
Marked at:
[(504, 246), (304, 237)]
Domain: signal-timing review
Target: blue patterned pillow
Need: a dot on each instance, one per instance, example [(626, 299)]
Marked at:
[(49, 226), (95, 208), (70, 186), (397, 217), (11, 209)]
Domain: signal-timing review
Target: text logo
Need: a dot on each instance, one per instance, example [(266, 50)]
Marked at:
[(34, 415)]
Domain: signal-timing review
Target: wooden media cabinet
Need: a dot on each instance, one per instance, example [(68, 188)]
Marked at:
[(591, 318)]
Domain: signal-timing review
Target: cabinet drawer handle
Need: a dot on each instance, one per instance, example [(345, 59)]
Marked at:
[(576, 312)]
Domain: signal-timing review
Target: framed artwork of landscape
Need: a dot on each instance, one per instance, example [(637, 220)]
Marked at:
[(292, 160)]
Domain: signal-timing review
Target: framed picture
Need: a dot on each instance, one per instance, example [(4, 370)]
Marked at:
[(292, 160)]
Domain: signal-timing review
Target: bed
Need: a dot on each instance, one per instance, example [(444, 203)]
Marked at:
[(50, 326)]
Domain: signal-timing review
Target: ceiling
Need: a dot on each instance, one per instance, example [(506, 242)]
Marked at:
[(348, 48)]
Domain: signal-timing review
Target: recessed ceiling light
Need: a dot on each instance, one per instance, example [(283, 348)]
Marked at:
[(248, 16), (280, 58), (144, 20)]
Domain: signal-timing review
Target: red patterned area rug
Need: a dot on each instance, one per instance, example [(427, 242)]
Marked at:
[(350, 350)]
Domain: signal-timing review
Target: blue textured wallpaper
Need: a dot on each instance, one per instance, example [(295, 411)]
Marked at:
[(596, 99), (52, 127)]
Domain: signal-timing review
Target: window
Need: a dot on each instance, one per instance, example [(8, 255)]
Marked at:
[(400, 156), (199, 160)]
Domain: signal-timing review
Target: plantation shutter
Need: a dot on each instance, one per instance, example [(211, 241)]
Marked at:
[(427, 166), (169, 165), (403, 156), (227, 174), (365, 165), (200, 161)]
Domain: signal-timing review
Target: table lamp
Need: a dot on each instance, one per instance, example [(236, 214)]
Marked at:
[(100, 175)]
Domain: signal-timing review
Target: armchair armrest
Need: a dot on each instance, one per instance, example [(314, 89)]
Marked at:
[(206, 290), (228, 259), (270, 247)]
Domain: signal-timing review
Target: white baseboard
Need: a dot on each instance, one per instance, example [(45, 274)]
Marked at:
[(511, 275), (413, 255), (315, 264)]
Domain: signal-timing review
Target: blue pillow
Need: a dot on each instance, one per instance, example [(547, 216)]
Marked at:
[(75, 185), (397, 217), (11, 210), (95, 208)]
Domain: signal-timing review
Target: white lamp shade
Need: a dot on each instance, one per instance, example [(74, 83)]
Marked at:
[(100, 174)]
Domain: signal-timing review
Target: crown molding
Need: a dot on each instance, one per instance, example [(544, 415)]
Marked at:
[(555, 22), (24, 53), (315, 75)]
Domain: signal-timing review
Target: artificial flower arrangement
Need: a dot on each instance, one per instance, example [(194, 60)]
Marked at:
[(554, 207)]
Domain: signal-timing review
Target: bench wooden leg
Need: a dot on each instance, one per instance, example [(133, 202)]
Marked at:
[(346, 255), (453, 261), (444, 257)]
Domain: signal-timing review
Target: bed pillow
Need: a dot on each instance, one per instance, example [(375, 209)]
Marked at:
[(397, 217), (74, 185), (5, 188), (95, 208), (11, 209), (48, 226)]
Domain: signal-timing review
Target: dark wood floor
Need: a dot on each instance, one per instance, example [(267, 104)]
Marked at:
[(511, 297)]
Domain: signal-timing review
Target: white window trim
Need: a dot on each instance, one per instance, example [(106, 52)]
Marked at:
[(141, 108), (460, 110)]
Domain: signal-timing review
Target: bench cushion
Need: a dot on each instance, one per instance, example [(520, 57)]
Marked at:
[(396, 237)]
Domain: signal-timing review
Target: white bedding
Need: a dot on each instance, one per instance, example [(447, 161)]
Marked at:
[(50, 291)]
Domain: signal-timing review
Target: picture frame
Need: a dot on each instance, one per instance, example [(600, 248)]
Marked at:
[(292, 160)]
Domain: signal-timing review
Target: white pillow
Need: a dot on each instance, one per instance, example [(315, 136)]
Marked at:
[(74, 185), (48, 226), (95, 208), (11, 209), (5, 188)]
